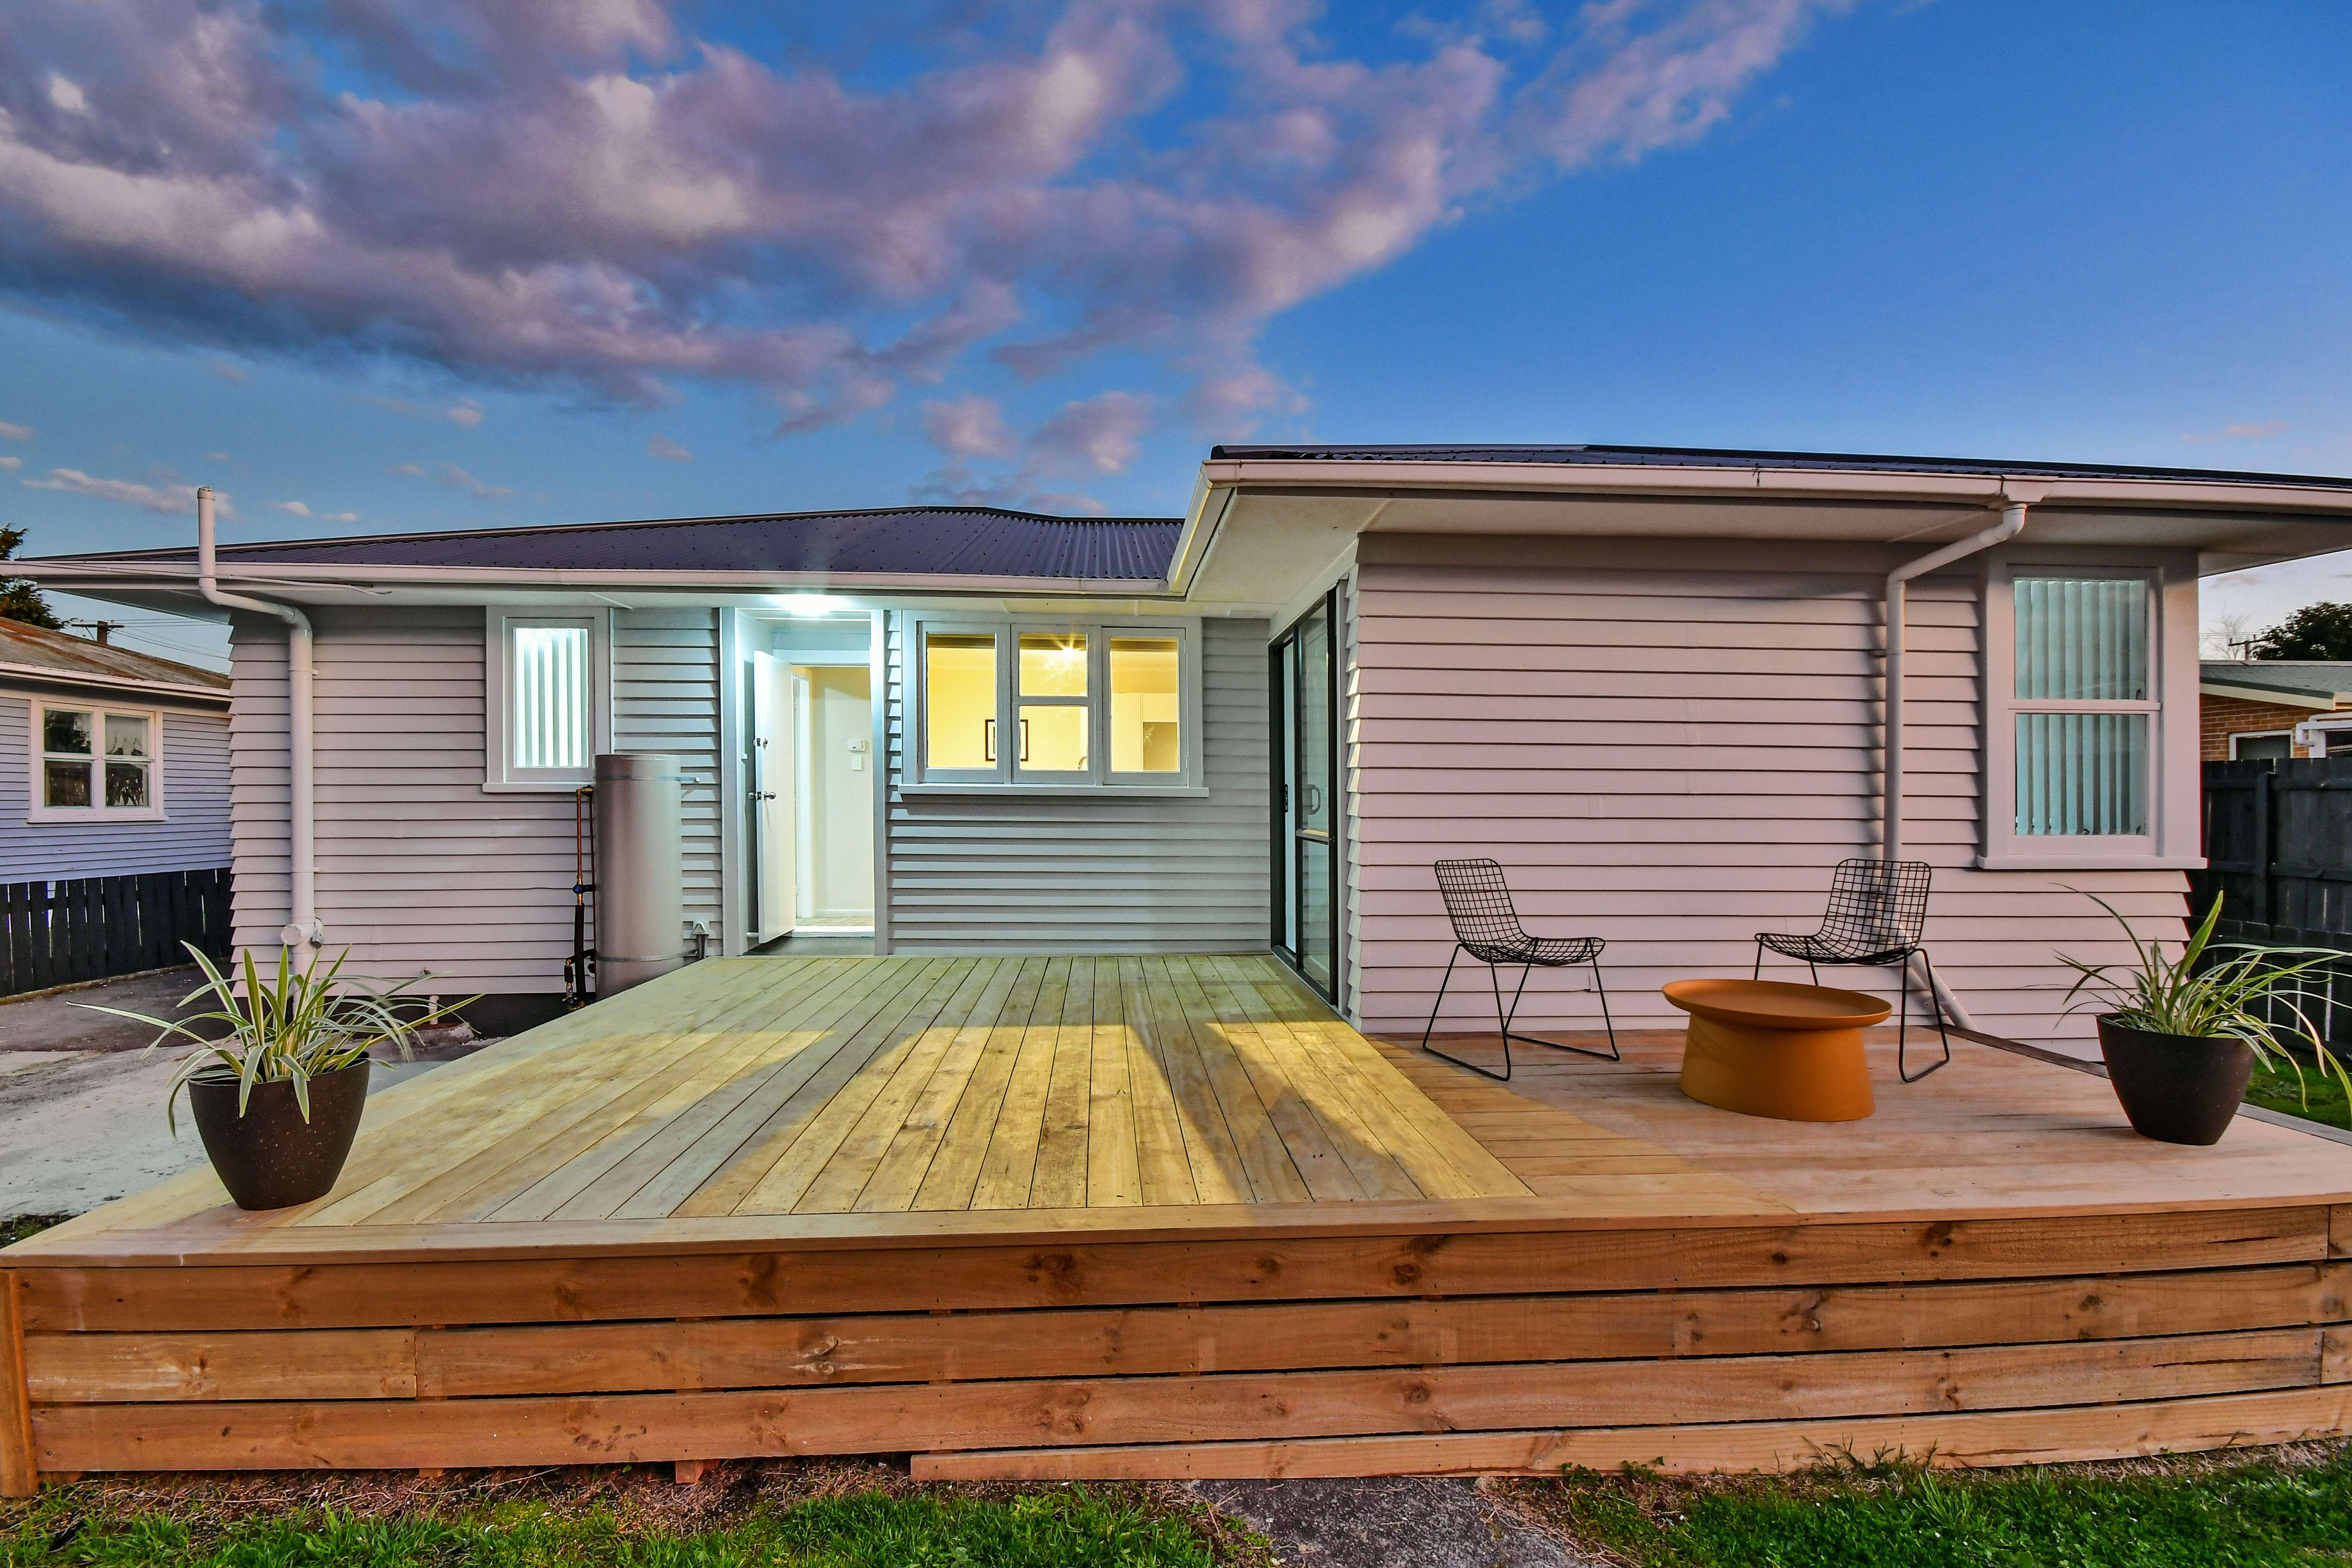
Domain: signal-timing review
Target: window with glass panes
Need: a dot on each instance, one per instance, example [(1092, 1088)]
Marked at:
[(95, 759)]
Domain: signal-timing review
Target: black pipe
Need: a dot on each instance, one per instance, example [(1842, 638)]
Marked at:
[(580, 969)]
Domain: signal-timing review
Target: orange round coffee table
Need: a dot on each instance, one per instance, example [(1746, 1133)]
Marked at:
[(1765, 1048)]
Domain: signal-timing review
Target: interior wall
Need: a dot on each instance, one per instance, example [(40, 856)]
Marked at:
[(838, 879)]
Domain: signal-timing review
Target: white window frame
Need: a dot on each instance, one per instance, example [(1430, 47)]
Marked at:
[(2238, 735), (1004, 777), (499, 622), (2172, 841), (38, 810)]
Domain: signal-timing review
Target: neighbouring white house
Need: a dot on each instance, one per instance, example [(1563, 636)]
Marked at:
[(111, 763), (1652, 683)]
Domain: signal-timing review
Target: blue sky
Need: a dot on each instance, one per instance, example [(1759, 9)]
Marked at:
[(431, 264)]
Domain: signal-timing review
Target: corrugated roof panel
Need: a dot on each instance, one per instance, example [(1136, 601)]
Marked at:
[(969, 541)]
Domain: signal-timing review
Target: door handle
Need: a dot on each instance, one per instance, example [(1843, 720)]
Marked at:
[(1314, 800)]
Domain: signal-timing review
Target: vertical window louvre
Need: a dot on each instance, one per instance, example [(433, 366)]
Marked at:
[(2082, 639), (2081, 688), (2082, 773), (549, 701)]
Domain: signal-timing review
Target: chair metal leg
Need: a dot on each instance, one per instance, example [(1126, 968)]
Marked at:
[(1758, 972), (1814, 970), (1503, 1077), (1608, 1056), (1903, 1037)]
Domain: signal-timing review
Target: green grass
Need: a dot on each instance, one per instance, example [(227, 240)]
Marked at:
[(2184, 1515), (13, 1231), (1064, 1527), (2276, 1090)]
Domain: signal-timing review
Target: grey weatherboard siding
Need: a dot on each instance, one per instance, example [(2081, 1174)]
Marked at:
[(1093, 874), (418, 867), (193, 834), (1671, 747)]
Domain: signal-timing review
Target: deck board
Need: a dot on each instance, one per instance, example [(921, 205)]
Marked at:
[(1156, 1215)]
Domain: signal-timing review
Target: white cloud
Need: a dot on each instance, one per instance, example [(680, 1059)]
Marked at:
[(15, 432), (300, 510), (175, 500), (10, 464), (662, 447), (968, 428), (1100, 434), (590, 196), (65, 95), (218, 457), (412, 470)]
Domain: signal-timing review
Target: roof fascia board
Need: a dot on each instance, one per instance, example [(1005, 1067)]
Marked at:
[(1835, 484), (281, 576), (2274, 696), (47, 675)]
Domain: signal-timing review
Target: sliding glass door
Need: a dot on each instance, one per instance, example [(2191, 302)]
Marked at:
[(1306, 791)]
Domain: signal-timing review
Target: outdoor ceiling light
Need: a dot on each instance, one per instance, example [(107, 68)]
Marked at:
[(811, 604)]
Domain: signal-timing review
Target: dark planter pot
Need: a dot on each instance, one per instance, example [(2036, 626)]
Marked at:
[(2176, 1089), (270, 1158)]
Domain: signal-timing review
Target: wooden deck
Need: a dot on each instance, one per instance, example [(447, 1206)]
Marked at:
[(1092, 1217)]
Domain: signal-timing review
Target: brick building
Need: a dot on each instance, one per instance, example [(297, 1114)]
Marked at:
[(2274, 708)]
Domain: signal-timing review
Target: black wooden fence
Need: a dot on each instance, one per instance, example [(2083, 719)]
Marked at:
[(55, 933), (2278, 854)]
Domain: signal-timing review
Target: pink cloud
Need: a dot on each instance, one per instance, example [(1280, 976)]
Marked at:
[(589, 197)]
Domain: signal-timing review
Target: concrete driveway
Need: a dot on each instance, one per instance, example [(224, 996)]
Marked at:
[(81, 1102)]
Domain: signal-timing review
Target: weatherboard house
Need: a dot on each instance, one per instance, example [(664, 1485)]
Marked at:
[(1118, 1156), (1652, 683)]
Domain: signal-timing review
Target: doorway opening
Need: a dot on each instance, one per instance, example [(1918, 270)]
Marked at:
[(809, 795), (1306, 796)]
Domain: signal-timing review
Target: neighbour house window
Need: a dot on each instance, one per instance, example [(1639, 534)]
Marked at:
[(548, 712), (95, 762), (2074, 740), (1058, 705)]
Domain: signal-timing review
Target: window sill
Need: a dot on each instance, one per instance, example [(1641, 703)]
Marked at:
[(2089, 863), (1057, 792), (58, 816), (502, 786)]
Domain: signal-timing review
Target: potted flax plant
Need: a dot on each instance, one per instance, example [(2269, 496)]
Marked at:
[(281, 1077), (2182, 1035)]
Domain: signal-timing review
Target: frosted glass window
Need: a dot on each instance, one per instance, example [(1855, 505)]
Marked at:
[(548, 710), (960, 700), (2082, 639), (1144, 710), (2082, 773)]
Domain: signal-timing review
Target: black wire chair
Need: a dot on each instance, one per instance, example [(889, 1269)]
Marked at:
[(1486, 927), (1877, 913)]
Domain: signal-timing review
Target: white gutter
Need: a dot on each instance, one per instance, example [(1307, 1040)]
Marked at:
[(301, 822), (1890, 819)]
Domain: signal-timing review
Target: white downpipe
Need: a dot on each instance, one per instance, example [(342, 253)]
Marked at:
[(304, 928), (1890, 832)]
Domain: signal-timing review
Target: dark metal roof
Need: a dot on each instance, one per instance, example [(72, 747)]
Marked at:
[(932, 540), (68, 657), (1712, 457)]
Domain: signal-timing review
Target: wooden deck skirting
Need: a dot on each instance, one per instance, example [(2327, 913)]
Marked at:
[(1140, 1216)]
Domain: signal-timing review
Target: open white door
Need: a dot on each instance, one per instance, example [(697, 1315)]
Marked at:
[(772, 814)]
